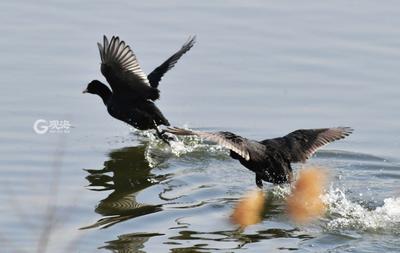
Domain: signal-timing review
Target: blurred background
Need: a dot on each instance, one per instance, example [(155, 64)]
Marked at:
[(259, 69)]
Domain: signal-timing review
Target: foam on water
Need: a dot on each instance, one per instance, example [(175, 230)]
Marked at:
[(157, 151), (344, 214)]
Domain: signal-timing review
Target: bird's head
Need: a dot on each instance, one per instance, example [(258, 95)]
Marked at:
[(94, 87), (98, 88)]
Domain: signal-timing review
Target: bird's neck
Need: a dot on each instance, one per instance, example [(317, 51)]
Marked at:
[(234, 155), (104, 92)]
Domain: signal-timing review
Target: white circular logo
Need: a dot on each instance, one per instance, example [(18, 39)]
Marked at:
[(41, 126)]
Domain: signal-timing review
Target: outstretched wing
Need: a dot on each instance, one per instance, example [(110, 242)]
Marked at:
[(155, 76), (120, 67), (302, 144), (236, 143)]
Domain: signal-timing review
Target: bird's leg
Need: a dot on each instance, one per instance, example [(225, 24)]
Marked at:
[(161, 134), (259, 182)]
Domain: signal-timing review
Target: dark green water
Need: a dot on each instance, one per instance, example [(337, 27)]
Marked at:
[(259, 69)]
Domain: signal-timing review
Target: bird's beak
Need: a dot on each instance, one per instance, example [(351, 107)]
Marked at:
[(85, 91)]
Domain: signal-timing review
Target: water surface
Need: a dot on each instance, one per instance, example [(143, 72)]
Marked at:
[(259, 69)]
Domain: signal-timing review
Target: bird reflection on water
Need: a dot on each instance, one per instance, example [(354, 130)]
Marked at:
[(126, 173), (130, 173)]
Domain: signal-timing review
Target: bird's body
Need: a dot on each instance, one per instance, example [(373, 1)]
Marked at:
[(142, 115), (271, 159), (269, 164), (132, 94)]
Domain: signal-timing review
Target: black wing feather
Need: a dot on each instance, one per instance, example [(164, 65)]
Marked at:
[(301, 144), (121, 68), (155, 76)]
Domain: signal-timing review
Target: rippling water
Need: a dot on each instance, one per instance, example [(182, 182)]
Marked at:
[(259, 69)]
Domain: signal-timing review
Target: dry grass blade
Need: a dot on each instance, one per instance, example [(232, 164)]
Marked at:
[(305, 204), (249, 209)]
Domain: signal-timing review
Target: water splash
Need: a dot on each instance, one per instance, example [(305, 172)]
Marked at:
[(344, 214), (189, 144), (281, 192), (157, 151)]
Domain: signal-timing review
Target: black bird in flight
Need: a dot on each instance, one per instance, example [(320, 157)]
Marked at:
[(270, 159), (133, 94)]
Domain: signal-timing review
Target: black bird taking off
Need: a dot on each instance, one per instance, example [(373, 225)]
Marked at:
[(270, 159), (132, 95)]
